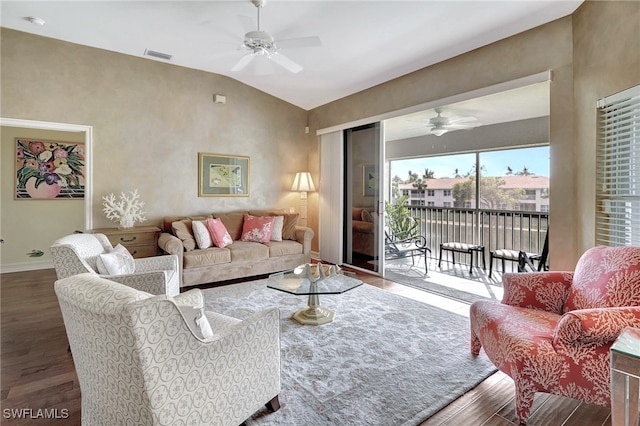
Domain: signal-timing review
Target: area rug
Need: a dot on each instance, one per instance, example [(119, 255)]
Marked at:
[(449, 281), (385, 360)]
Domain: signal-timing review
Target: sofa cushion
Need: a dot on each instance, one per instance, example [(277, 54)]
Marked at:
[(367, 216), (233, 222), (201, 234), (257, 228), (196, 321), (182, 230), (248, 250), (362, 227), (204, 257), (276, 229), (284, 248), (167, 221), (219, 234), (117, 262), (289, 226)]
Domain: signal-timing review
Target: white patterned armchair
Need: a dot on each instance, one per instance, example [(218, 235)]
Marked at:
[(78, 253), (141, 362)]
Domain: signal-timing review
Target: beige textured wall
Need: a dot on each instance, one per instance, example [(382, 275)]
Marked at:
[(548, 47), (606, 61), (28, 225), (150, 119)]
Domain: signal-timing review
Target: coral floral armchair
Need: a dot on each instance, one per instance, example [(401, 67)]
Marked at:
[(553, 330)]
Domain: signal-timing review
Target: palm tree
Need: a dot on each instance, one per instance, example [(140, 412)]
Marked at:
[(525, 172), (421, 186), (429, 174)]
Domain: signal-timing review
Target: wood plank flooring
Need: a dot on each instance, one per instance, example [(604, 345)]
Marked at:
[(37, 372)]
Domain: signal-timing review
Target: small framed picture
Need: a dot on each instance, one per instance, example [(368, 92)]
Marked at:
[(369, 180), (222, 175)]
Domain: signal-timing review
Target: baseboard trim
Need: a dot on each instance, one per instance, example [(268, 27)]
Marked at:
[(26, 266)]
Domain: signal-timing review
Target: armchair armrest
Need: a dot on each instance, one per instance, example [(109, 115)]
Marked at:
[(157, 282), (545, 291), (157, 263), (191, 297), (170, 244), (594, 327), (418, 241), (304, 236)]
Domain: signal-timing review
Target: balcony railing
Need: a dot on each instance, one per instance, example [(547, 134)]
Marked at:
[(494, 229)]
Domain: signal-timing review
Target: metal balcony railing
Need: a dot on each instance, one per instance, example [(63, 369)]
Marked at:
[(494, 229)]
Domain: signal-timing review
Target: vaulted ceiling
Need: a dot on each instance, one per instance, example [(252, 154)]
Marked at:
[(363, 43)]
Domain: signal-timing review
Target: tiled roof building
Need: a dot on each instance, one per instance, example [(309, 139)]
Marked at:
[(534, 194)]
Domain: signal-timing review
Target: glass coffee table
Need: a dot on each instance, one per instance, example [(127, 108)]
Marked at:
[(313, 280)]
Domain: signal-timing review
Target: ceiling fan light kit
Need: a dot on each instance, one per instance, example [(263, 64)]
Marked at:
[(261, 43), (438, 131)]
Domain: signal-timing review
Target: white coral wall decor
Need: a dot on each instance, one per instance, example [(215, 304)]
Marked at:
[(126, 211)]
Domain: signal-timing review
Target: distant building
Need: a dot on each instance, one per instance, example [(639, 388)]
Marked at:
[(438, 193)]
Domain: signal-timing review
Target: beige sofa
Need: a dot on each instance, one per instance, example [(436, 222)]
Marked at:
[(362, 227), (241, 258)]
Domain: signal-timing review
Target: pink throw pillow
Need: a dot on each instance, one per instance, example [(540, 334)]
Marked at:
[(257, 228), (219, 234)]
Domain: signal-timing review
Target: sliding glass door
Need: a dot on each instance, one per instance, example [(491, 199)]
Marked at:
[(363, 197)]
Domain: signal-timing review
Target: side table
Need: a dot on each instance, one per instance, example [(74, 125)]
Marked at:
[(141, 241), (625, 378)]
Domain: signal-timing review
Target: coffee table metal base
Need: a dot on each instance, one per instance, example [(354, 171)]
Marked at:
[(314, 314)]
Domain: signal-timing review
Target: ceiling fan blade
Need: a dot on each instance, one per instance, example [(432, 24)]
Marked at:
[(285, 62), (468, 119), (243, 62), (294, 43), (462, 126)]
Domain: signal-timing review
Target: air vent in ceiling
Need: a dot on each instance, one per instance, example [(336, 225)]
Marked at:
[(159, 55)]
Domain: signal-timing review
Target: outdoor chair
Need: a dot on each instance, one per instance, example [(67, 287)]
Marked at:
[(553, 330), (161, 360), (78, 253), (401, 248), (517, 256), (523, 258)]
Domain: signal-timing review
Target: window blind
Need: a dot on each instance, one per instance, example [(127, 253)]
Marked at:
[(618, 169)]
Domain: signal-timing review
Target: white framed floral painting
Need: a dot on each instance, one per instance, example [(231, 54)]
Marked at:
[(47, 169)]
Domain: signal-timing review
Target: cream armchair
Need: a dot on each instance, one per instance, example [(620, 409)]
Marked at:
[(141, 362), (78, 253)]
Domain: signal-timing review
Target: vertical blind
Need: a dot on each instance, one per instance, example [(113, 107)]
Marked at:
[(331, 197), (618, 169)]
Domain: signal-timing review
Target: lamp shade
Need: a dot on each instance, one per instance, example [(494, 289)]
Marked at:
[(303, 182)]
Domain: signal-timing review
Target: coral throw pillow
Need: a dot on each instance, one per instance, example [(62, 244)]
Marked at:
[(219, 234), (257, 228)]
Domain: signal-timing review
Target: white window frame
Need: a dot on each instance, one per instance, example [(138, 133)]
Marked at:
[(618, 169)]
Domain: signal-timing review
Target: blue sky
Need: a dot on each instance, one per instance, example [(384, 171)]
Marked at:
[(536, 160)]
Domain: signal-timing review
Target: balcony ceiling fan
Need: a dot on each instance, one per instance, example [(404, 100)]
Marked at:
[(261, 43), (440, 125)]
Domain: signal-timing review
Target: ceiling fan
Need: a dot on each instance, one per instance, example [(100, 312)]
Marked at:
[(441, 125), (261, 43)]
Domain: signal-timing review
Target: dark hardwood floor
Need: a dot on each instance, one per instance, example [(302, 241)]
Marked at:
[(38, 378)]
